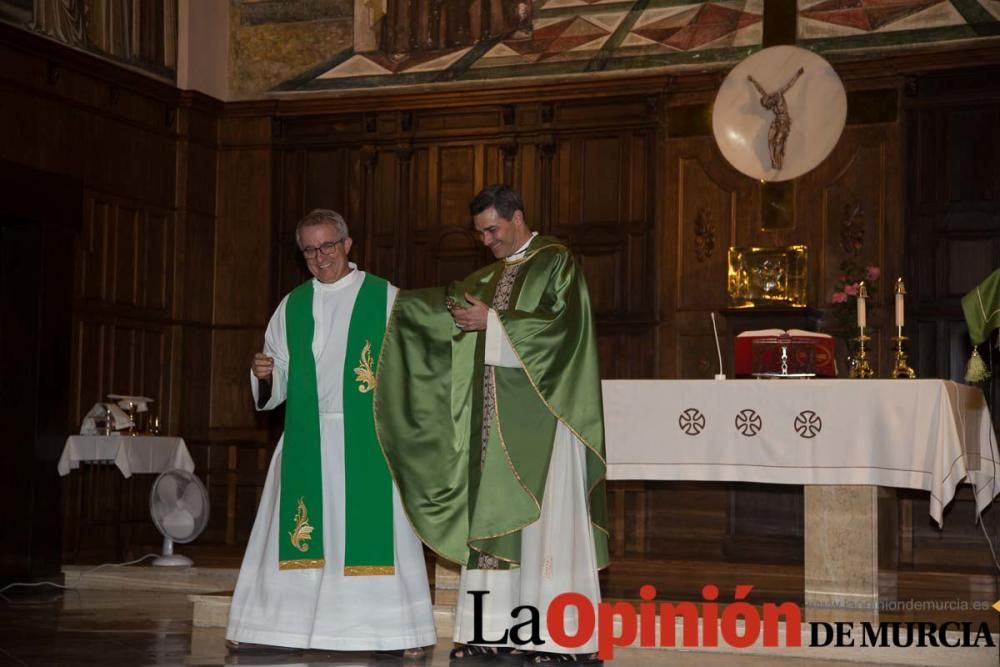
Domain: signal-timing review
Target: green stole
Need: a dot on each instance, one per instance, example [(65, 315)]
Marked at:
[(368, 486)]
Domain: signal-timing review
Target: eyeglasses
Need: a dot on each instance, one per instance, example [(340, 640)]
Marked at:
[(326, 249)]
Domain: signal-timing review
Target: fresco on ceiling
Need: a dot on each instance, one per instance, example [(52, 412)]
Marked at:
[(140, 34), (417, 42)]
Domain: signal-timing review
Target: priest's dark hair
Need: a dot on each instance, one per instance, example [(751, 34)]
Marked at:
[(501, 197), (322, 216)]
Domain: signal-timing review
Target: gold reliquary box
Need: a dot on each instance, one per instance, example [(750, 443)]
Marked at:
[(767, 277)]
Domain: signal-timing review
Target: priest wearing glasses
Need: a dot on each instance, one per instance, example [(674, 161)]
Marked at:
[(332, 562)]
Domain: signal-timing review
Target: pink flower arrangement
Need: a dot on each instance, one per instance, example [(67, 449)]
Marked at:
[(842, 300)]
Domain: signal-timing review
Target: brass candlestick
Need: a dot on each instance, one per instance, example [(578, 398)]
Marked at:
[(131, 411), (901, 370), (861, 369)]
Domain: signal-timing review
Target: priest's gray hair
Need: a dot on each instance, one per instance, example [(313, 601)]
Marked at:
[(322, 216)]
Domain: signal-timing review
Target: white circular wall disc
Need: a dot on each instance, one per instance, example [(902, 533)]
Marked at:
[(815, 104)]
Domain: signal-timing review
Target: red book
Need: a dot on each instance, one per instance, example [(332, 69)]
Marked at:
[(778, 353)]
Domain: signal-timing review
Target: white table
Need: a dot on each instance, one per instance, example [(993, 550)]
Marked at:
[(132, 455), (138, 454), (841, 439)]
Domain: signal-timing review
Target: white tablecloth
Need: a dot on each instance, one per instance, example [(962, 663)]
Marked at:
[(139, 454), (916, 434)]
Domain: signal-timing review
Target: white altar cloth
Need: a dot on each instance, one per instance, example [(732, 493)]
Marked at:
[(138, 454), (916, 434)]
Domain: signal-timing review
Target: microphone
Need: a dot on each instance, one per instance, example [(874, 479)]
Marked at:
[(718, 348)]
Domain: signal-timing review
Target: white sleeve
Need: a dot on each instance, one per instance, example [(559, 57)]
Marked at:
[(393, 293), (498, 349), (275, 346)]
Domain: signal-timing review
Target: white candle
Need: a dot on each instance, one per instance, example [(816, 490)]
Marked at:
[(900, 291), (862, 295)]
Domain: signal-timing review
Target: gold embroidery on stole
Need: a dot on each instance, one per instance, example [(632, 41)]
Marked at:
[(303, 530), (363, 374)]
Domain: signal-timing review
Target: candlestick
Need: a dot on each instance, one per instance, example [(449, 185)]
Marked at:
[(862, 314), (860, 367), (901, 369), (900, 292)]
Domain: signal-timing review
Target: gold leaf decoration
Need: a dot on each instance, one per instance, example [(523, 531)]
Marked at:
[(303, 531), (364, 374)]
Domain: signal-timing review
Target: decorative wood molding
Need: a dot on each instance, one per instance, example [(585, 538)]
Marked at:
[(852, 229), (704, 235)]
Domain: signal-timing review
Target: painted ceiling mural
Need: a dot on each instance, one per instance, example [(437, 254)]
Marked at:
[(418, 42)]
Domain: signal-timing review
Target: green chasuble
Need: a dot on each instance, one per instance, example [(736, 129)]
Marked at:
[(429, 406), (368, 486), (981, 307)]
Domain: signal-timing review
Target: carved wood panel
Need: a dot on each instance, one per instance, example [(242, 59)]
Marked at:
[(711, 200), (853, 195)]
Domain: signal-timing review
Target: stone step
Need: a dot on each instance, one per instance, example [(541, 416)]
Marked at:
[(147, 578)]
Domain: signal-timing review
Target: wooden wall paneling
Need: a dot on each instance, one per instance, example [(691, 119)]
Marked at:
[(201, 169), (626, 351), (369, 193), (155, 370), (245, 242), (548, 184), (953, 215), (449, 123), (109, 136), (422, 229), (456, 252), (685, 520), (709, 207), (398, 235), (714, 208), (92, 264), (696, 354), (89, 374), (156, 255), (601, 180), (527, 180), (197, 274), (123, 341), (324, 182), (243, 238), (124, 277), (288, 203), (459, 177), (382, 251), (231, 404), (196, 378), (499, 160), (853, 192)]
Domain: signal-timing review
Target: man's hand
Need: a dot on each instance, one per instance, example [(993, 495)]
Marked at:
[(472, 318), (263, 366)]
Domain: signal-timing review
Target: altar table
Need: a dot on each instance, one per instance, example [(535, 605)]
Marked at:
[(132, 454), (841, 439)]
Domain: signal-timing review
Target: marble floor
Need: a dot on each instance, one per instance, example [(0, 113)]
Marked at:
[(125, 628)]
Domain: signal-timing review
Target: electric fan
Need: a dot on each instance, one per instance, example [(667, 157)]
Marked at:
[(178, 503)]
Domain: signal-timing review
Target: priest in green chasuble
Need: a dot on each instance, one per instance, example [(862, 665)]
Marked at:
[(488, 408), (332, 561)]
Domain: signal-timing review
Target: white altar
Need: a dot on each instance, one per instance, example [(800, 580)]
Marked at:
[(131, 454), (840, 438)]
